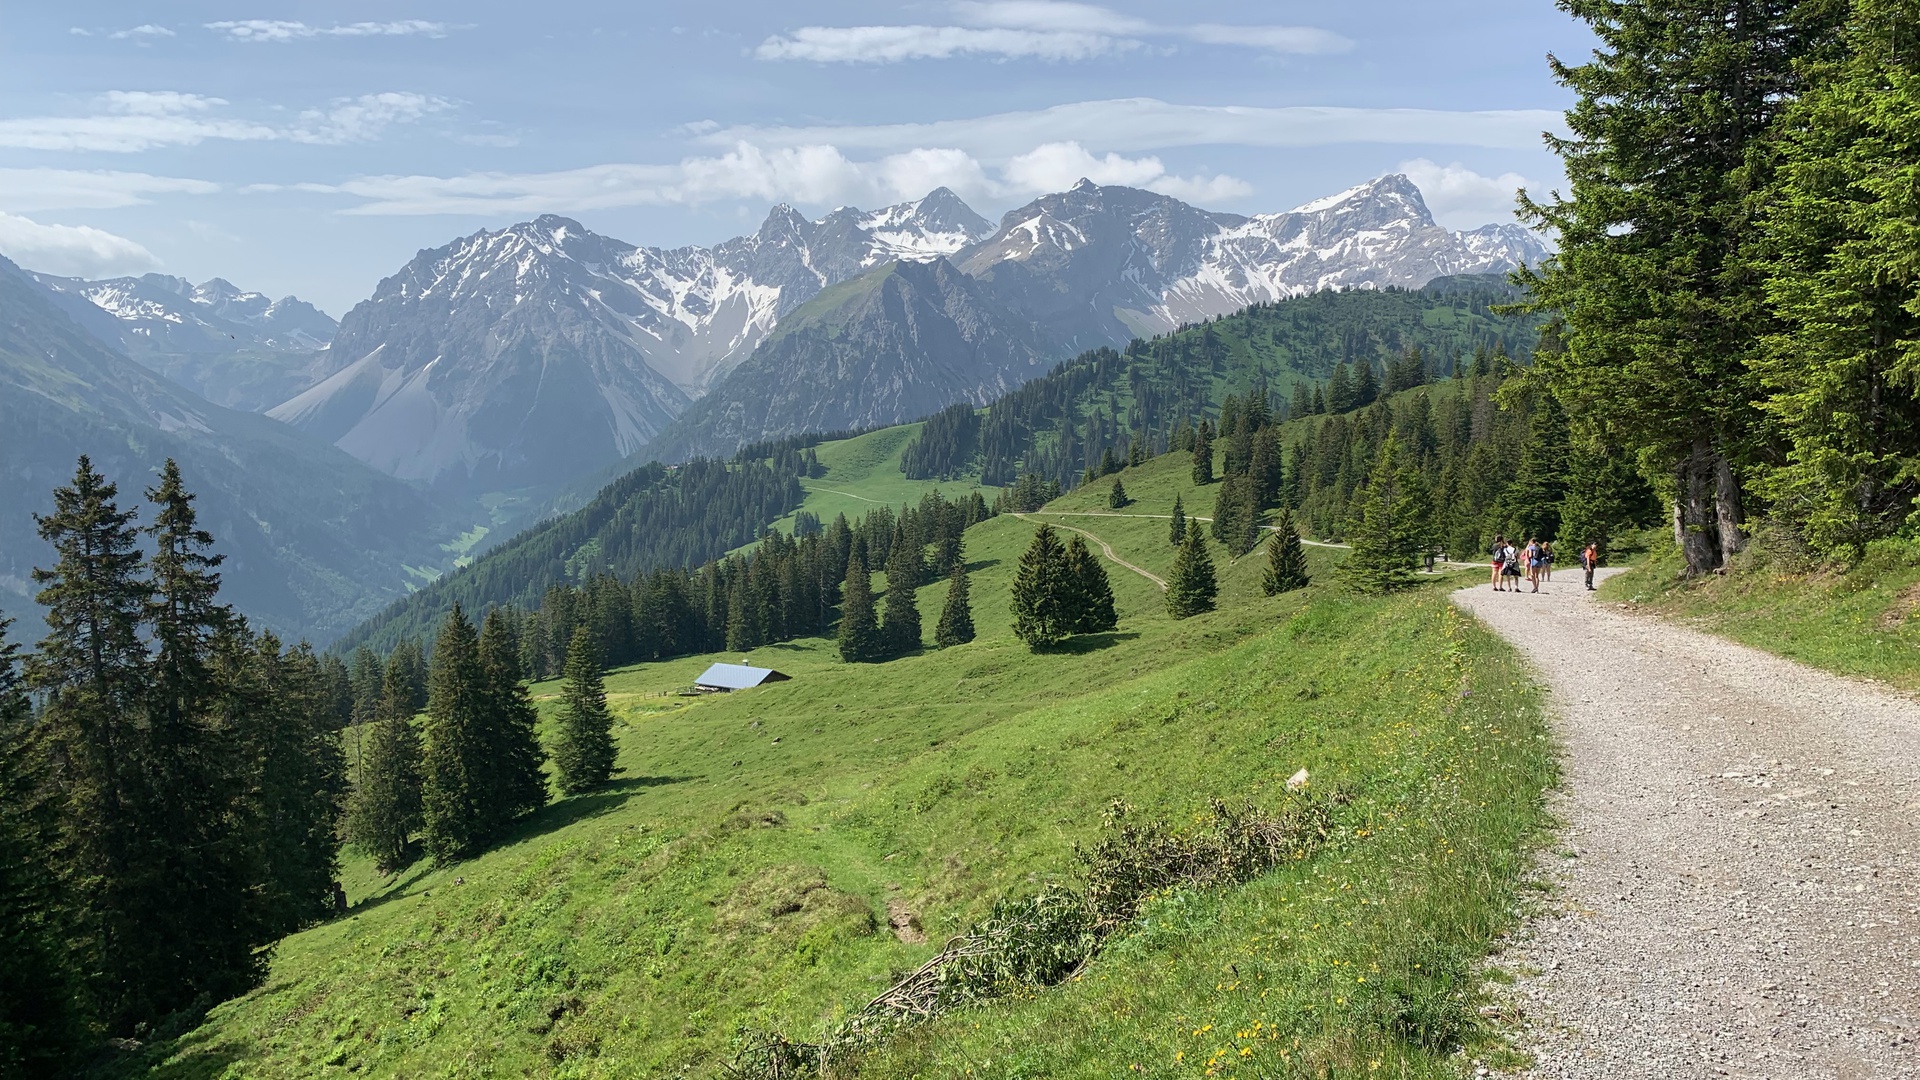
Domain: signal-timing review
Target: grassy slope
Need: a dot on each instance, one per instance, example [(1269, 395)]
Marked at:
[(739, 873), (864, 472), (1856, 622)]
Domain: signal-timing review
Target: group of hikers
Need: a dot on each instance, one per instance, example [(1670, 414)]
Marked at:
[(1534, 562)]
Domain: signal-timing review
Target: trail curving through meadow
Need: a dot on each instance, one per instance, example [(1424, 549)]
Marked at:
[(1735, 892), (1107, 548)]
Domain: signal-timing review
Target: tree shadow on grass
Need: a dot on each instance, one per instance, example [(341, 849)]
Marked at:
[(551, 818), (1081, 644), (185, 1058), (981, 564)]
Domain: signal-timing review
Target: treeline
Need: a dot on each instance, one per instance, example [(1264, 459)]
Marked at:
[(651, 518), (1332, 351), (784, 588), (1737, 288), (170, 784)]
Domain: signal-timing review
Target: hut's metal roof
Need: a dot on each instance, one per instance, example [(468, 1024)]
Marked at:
[(738, 676)]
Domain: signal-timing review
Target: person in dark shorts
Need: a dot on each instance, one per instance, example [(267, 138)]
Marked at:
[(1590, 561)]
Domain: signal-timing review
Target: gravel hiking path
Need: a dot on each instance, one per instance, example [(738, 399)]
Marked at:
[(1108, 549), (1735, 893)]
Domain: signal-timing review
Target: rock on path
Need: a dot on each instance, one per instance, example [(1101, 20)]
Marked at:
[(1736, 892)]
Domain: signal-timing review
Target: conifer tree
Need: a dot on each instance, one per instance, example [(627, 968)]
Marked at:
[(1117, 498), (454, 769), (1658, 287), (411, 660), (1286, 559), (196, 864), (1191, 588), (1840, 376), (383, 808), (584, 757), (1389, 525), (956, 616), (91, 672), (298, 793), (1266, 470), (1203, 455), (900, 615), (1038, 587), (1605, 495), (1177, 528), (1235, 523), (40, 1022), (516, 784), (1088, 600), (1530, 506), (859, 627)]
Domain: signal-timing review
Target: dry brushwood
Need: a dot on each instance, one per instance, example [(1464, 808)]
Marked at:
[(1046, 939)]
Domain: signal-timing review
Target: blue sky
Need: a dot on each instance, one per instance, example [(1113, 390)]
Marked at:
[(314, 148)]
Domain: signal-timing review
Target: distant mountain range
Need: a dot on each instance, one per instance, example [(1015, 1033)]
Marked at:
[(523, 359), (315, 540), (236, 348)]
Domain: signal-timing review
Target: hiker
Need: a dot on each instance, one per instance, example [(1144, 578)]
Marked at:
[(1546, 559), (1589, 560), (1532, 555), (1510, 567), (1499, 553)]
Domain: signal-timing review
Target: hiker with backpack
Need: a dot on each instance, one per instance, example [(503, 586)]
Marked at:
[(1510, 567), (1499, 553), (1532, 555), (1590, 561)]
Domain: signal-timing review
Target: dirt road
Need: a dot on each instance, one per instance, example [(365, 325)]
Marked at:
[(1736, 892)]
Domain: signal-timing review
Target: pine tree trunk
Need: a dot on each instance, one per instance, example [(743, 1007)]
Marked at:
[(1696, 520), (1730, 513)]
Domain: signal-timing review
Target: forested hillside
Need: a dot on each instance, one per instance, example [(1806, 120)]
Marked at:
[(1349, 346)]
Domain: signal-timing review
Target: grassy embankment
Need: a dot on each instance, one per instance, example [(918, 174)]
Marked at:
[(742, 872), (1856, 620)]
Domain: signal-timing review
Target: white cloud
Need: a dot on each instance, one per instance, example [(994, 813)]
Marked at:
[(892, 44), (1461, 198), (817, 175), (1132, 125), (71, 250), (24, 190), (362, 118), (136, 120), (1015, 29), (144, 30), (283, 30)]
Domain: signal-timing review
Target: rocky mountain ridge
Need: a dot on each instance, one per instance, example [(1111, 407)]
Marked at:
[(526, 356)]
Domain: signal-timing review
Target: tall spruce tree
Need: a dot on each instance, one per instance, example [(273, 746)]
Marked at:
[(1191, 587), (1605, 496), (1659, 285), (298, 791), (515, 782), (956, 616), (200, 919), (1391, 522), (90, 671), (1530, 506), (1039, 618), (859, 637), (1842, 376), (900, 611), (453, 774), (1117, 498), (1286, 559), (383, 807), (1203, 455), (585, 753), (40, 1021), (1177, 528), (410, 658), (1088, 600)]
